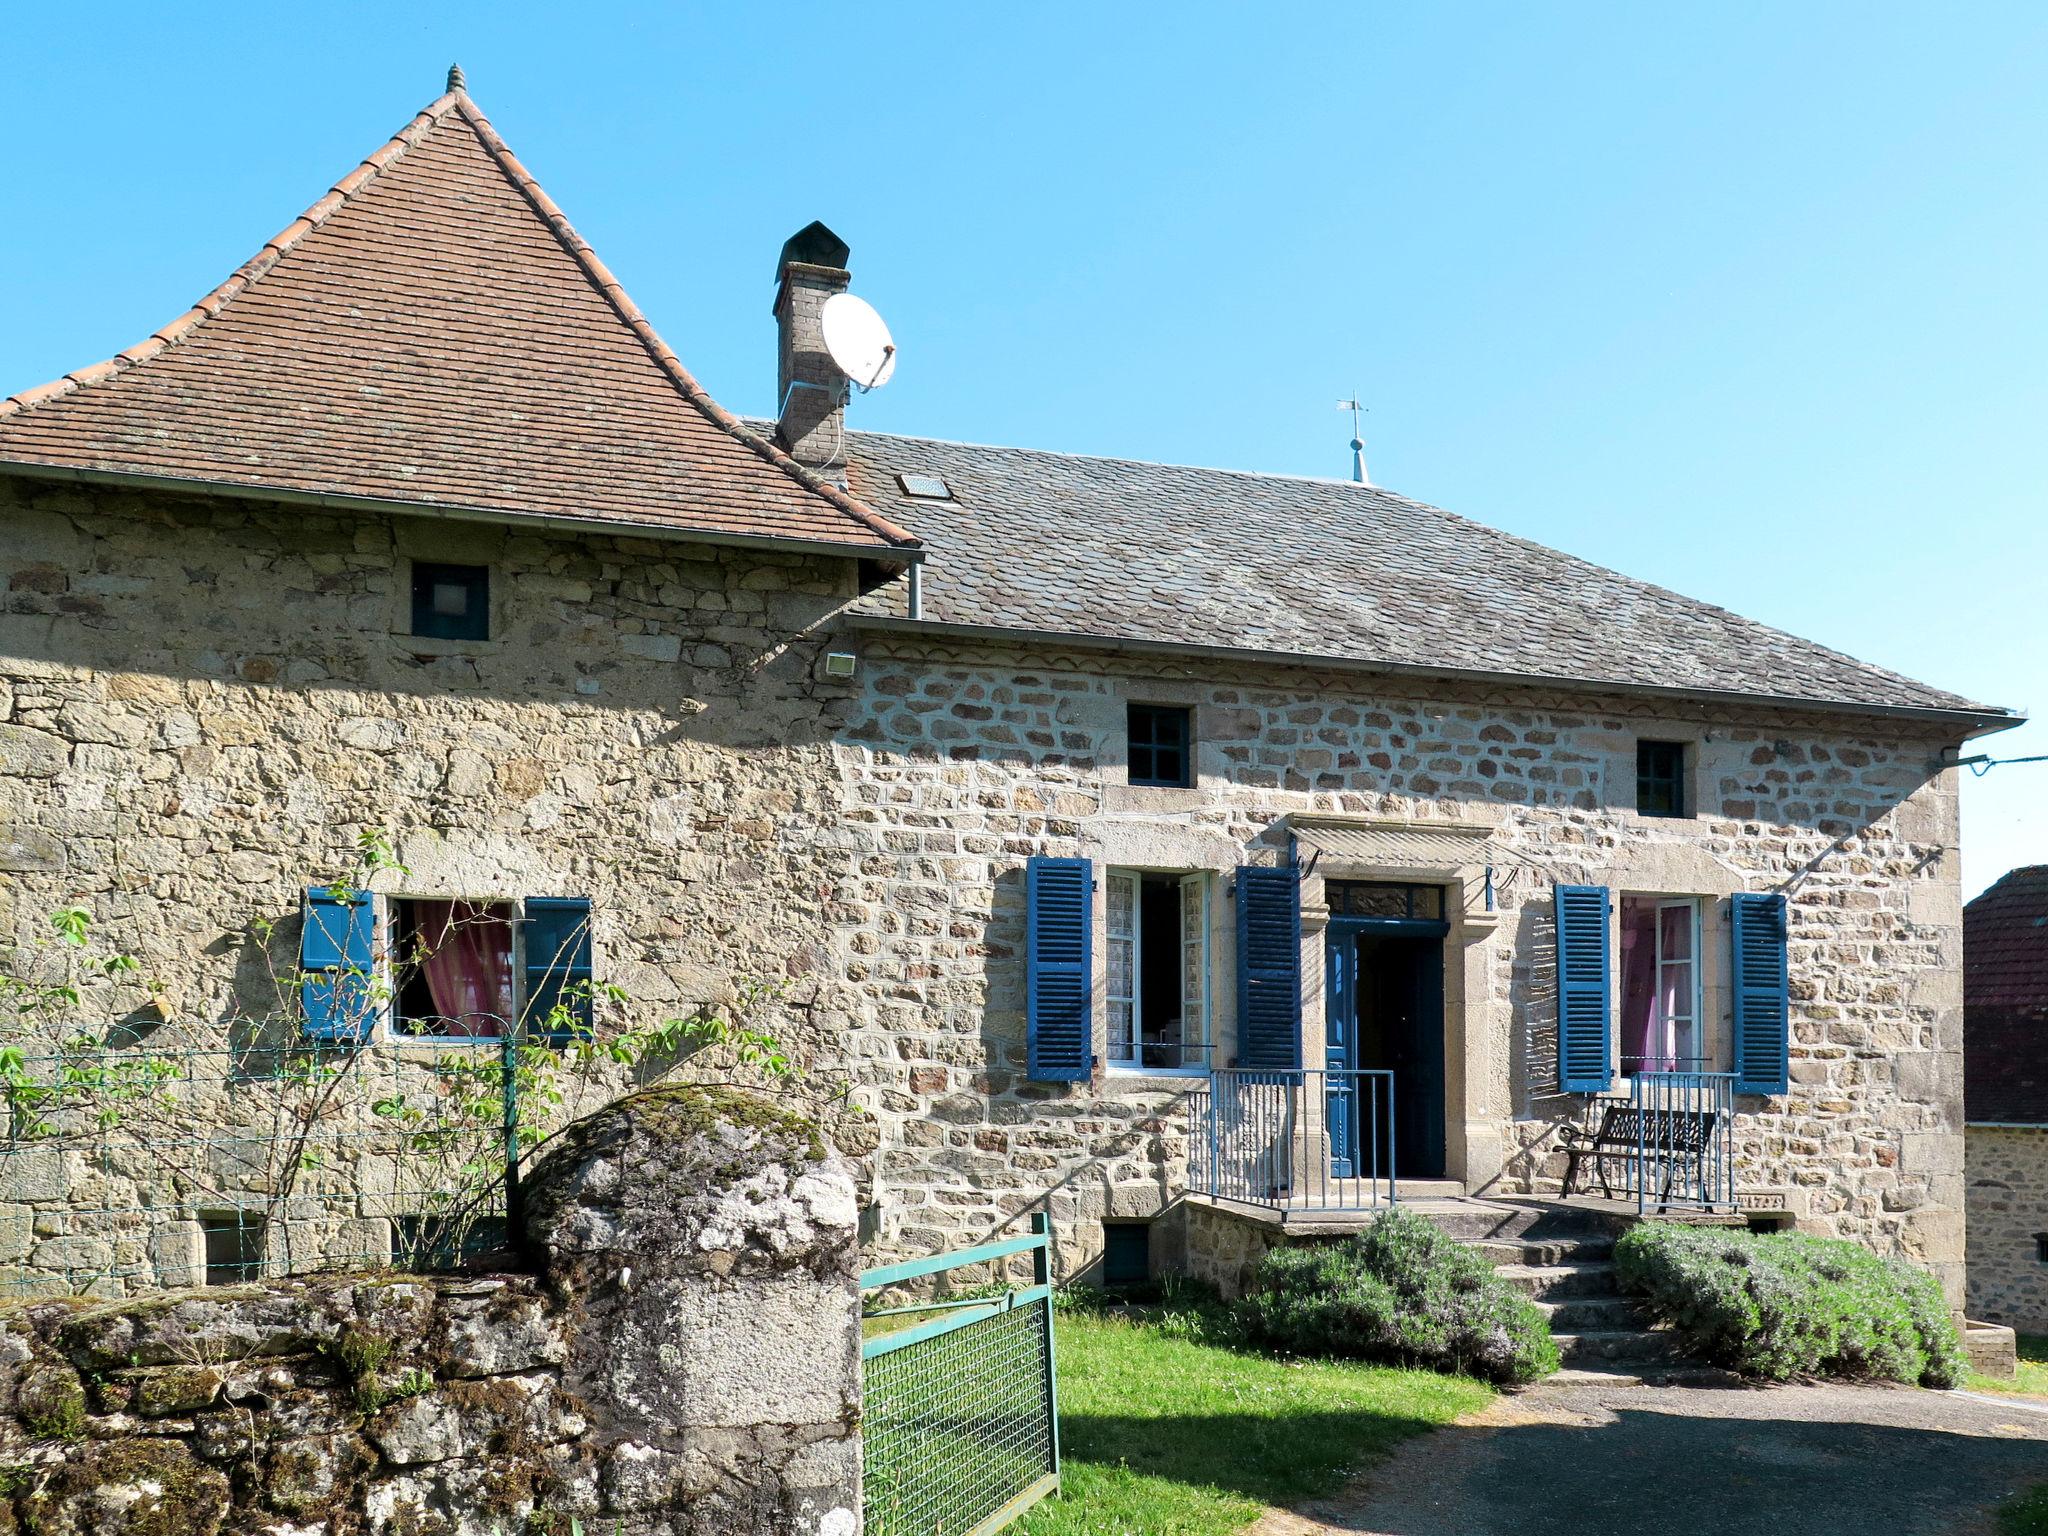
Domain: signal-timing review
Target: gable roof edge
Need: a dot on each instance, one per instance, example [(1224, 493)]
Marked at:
[(248, 272), (458, 101), (630, 315)]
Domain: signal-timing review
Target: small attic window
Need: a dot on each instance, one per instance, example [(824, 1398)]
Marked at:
[(925, 487)]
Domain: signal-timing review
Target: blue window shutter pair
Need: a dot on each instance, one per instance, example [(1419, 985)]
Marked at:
[(1059, 1010), (1269, 968), (1585, 1062), (558, 959), (337, 950), (1763, 1005), (1059, 920), (1585, 989)]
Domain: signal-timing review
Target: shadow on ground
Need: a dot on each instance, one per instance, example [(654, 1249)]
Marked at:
[(1273, 1460), (1819, 1461)]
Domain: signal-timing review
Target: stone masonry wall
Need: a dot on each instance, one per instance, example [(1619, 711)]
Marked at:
[(686, 1365), (2007, 1175), (201, 699), (204, 703), (964, 763)]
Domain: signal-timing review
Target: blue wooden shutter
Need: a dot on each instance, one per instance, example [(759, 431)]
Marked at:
[(1059, 1027), (1269, 967), (337, 948), (558, 958), (1762, 994), (1585, 1062)]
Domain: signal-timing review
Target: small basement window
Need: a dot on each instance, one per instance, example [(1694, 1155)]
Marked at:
[(436, 1241), (451, 602), (1126, 1254), (1660, 779), (2041, 1247), (234, 1247), (1161, 743)]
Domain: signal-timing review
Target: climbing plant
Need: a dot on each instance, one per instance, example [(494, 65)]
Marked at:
[(257, 1118)]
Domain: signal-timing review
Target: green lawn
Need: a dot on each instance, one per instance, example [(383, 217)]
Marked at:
[(2032, 1380), (1164, 1436), (2026, 1515)]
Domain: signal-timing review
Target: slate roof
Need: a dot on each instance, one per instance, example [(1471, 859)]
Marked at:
[(2005, 1001), (1321, 569), (433, 331)]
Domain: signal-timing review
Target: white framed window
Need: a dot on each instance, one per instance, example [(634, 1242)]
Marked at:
[(1158, 970), (1660, 985)]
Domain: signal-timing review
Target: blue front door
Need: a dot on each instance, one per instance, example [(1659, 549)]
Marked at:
[(1384, 1013), (1340, 1047)]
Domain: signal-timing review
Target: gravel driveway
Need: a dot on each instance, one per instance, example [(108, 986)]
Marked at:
[(1595, 1460)]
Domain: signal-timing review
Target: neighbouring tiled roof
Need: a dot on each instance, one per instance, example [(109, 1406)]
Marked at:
[(1316, 568), (432, 331), (2005, 1000)]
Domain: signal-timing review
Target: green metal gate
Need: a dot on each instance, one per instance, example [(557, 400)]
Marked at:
[(960, 1414)]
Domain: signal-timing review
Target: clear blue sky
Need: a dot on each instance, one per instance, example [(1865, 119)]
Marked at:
[(1744, 299)]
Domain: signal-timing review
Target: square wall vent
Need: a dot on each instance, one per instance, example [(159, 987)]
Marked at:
[(925, 487)]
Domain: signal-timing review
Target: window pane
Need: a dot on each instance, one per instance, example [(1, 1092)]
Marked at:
[(1158, 736), (451, 602), (1677, 935), (1660, 778), (1122, 922)]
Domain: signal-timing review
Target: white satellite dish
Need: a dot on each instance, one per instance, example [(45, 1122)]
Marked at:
[(858, 340)]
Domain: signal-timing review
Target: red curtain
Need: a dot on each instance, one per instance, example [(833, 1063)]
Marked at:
[(468, 964)]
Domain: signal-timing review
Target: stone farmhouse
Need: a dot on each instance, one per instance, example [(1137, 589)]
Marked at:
[(2005, 1007), (1139, 838)]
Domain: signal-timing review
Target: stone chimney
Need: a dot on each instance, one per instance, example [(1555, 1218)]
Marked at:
[(810, 391)]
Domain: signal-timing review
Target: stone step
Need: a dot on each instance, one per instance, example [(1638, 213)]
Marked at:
[(1555, 1282), (1478, 1221), (1589, 1349), (1547, 1253), (1643, 1373), (1589, 1314)]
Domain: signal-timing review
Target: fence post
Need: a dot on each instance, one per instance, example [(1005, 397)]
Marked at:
[(508, 1072), (1041, 1274)]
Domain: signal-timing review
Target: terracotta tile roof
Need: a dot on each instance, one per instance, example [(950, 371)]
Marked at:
[(1165, 554), (2005, 1000), (432, 331)]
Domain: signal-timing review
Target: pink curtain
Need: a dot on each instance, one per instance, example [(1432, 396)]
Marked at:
[(468, 964), (1642, 1046)]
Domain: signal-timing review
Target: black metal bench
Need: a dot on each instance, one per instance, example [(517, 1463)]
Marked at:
[(1676, 1140)]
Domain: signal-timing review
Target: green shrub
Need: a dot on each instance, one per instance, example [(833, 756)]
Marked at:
[(1779, 1305), (1400, 1291)]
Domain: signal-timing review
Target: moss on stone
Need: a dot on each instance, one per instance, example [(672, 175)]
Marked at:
[(178, 1390), (51, 1403), (697, 1109), (174, 1495)]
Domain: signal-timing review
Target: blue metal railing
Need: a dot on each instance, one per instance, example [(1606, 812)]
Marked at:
[(1298, 1141), (1682, 1155)]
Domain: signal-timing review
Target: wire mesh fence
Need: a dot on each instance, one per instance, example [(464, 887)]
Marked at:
[(959, 1414), (128, 1169)]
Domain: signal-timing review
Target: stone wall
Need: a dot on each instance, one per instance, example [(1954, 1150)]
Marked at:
[(2007, 1175), (687, 1361), (963, 763), (203, 699), (203, 704)]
